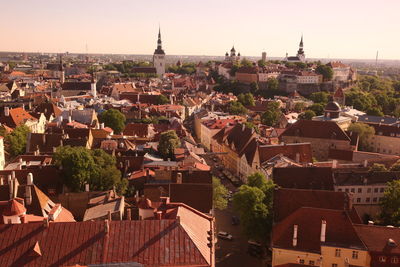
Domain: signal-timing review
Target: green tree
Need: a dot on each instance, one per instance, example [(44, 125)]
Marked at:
[(395, 167), (253, 202), (162, 100), (374, 111), (169, 140), (318, 108), (299, 107), (251, 125), (82, 166), (114, 119), (261, 63), (390, 204), (307, 115), (364, 132), (272, 84), (220, 194), (325, 71), (246, 63), (15, 142), (272, 115), (237, 108), (320, 97), (246, 99), (376, 167)]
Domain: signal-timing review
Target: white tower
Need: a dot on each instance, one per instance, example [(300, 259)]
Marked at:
[(264, 56), (93, 89), (159, 57)]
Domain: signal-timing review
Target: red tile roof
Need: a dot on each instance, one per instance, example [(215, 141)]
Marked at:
[(339, 230), (376, 238), (316, 129), (150, 242)]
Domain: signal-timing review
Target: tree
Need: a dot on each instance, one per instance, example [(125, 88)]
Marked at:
[(299, 107), (390, 204), (251, 125), (253, 202), (272, 84), (364, 132), (261, 63), (320, 97), (374, 111), (15, 142), (169, 140), (237, 108), (246, 63), (325, 71), (318, 108), (307, 115), (272, 115), (114, 119), (162, 100), (246, 99), (395, 167), (82, 166), (376, 167), (219, 194)]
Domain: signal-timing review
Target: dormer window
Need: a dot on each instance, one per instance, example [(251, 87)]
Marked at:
[(395, 259), (382, 259)]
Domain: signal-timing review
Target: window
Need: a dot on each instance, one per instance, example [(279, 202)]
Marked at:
[(382, 259), (367, 199), (337, 252), (347, 190), (374, 199), (334, 265), (355, 255), (311, 263), (382, 190), (369, 190), (359, 190), (358, 200), (353, 190), (376, 190), (339, 190), (301, 261), (395, 260)]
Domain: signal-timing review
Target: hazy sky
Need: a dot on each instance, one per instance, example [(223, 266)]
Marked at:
[(334, 28)]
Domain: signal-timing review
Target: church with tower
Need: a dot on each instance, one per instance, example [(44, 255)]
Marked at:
[(232, 57), (300, 57), (159, 56)]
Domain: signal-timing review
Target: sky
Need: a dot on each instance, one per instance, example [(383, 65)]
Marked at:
[(353, 29)]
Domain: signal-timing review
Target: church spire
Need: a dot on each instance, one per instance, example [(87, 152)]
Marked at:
[(159, 49), (301, 41)]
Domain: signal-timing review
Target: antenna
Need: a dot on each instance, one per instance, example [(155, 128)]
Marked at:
[(376, 59)]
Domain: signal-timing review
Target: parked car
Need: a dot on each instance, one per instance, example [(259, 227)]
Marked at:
[(255, 249), (225, 236)]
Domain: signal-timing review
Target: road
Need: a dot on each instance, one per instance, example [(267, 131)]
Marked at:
[(230, 253)]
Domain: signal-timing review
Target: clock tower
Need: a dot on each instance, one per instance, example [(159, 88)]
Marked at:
[(159, 57)]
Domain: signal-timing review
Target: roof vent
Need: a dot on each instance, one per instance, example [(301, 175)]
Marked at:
[(391, 243)]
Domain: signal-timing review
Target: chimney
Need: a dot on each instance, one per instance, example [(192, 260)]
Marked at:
[(295, 227), (179, 178), (365, 163), (6, 111), (69, 119), (29, 179), (87, 188), (106, 226), (46, 222), (323, 231), (158, 215), (109, 215), (129, 214), (23, 219), (102, 125), (1, 181), (164, 200), (334, 163)]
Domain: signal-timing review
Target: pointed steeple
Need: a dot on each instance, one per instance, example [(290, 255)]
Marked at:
[(159, 49), (61, 63), (301, 41)]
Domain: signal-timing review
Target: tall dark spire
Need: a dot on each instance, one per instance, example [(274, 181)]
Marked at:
[(301, 41), (159, 49), (61, 63)]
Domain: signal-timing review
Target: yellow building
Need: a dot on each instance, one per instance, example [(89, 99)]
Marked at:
[(320, 237)]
